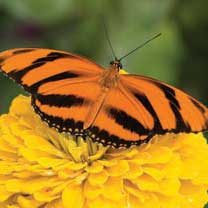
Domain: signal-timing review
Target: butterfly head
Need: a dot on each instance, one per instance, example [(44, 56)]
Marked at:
[(116, 64)]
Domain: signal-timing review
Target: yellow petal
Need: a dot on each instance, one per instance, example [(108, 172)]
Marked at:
[(28, 202), (32, 185), (90, 191), (31, 154), (5, 146), (122, 71), (136, 192), (72, 197), (146, 183), (98, 178), (159, 154), (20, 106), (45, 195), (39, 143), (134, 171), (169, 186), (119, 169), (71, 166), (95, 167), (107, 163), (48, 162), (173, 168), (101, 202), (149, 203), (113, 189), (6, 167), (4, 194), (54, 204), (8, 156), (157, 174), (13, 206), (12, 140)]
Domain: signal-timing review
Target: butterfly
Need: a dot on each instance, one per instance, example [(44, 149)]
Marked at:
[(76, 95)]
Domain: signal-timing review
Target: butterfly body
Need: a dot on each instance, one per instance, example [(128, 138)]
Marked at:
[(109, 78), (74, 94)]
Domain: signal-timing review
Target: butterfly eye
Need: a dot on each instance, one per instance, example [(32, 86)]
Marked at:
[(116, 64), (119, 65)]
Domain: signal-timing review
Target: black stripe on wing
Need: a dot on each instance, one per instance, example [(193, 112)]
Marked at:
[(67, 125), (202, 110), (103, 136), (64, 75), (197, 105), (62, 100), (18, 74), (53, 56), (148, 106), (16, 52), (126, 121), (23, 50), (181, 125)]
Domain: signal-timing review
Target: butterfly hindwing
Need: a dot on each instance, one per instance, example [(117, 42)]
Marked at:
[(119, 120), (66, 108)]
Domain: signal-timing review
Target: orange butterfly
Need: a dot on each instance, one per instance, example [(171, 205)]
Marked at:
[(75, 95)]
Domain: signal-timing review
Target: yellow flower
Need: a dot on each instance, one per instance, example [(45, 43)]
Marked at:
[(42, 168)]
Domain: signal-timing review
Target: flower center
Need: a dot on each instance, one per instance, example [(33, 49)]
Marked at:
[(79, 149)]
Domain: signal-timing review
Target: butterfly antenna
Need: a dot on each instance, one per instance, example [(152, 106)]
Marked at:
[(108, 39), (140, 46)]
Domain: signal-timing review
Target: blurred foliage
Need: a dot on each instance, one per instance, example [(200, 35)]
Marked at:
[(76, 26), (192, 22)]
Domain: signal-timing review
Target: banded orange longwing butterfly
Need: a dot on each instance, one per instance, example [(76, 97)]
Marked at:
[(75, 95)]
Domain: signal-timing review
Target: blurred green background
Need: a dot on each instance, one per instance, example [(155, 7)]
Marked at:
[(178, 57)]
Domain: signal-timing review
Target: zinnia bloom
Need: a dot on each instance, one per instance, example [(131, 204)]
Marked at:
[(40, 167)]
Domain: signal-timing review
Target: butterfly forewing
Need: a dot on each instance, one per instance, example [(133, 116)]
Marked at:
[(33, 67), (63, 85), (172, 109)]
